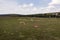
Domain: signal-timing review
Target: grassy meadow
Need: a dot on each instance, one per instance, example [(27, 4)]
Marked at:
[(29, 28)]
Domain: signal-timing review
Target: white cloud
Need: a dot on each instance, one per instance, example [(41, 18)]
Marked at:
[(7, 7), (31, 4), (11, 6), (54, 6), (54, 2)]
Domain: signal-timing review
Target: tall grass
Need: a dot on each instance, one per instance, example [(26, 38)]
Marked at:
[(29, 28)]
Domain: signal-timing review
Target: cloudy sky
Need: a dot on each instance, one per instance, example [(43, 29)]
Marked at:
[(29, 6)]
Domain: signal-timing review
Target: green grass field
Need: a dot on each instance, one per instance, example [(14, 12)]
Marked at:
[(29, 28)]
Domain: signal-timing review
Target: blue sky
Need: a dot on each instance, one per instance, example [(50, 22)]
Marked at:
[(26, 7), (39, 3)]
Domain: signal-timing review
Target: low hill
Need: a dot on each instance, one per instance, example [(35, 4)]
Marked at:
[(53, 14)]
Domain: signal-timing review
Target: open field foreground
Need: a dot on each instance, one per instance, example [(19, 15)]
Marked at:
[(29, 28)]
